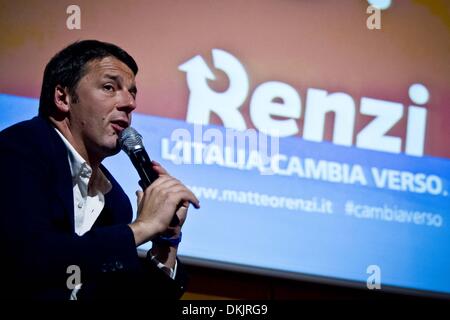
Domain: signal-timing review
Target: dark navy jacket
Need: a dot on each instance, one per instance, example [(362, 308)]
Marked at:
[(37, 236)]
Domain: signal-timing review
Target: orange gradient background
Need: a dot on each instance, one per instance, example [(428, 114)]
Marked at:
[(306, 44)]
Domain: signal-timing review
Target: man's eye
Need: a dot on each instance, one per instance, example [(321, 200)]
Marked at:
[(108, 87)]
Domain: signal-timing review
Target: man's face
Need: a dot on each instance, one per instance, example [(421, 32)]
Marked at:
[(105, 99)]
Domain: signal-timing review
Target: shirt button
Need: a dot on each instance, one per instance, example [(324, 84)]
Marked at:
[(80, 205)]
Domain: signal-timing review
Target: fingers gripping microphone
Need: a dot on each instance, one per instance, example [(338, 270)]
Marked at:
[(130, 142)]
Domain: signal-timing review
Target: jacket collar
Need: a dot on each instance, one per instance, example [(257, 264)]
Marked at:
[(62, 175), (118, 209)]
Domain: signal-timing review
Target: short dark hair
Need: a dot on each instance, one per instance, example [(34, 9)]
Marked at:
[(68, 66)]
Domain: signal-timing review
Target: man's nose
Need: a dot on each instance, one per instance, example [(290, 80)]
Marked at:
[(127, 101)]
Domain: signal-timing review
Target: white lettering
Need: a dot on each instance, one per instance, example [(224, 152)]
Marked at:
[(263, 106), (277, 99), (373, 135)]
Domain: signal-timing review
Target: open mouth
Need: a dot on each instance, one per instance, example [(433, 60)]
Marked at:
[(119, 125)]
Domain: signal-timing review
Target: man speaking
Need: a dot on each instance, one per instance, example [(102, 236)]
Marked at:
[(61, 210)]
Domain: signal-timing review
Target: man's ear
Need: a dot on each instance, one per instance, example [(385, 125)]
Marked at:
[(62, 99)]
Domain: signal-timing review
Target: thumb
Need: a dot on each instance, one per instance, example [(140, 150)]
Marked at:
[(139, 196), (158, 168)]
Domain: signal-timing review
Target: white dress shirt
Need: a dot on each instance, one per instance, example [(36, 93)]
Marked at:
[(89, 199)]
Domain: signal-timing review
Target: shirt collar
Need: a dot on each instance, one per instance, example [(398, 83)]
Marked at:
[(81, 171)]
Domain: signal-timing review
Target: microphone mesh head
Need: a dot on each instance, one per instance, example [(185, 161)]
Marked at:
[(130, 139)]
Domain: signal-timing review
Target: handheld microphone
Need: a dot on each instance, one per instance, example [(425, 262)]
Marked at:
[(130, 142)]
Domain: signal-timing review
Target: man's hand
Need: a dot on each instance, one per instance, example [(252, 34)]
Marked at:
[(157, 205)]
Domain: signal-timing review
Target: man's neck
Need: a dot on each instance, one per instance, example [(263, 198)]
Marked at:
[(63, 128)]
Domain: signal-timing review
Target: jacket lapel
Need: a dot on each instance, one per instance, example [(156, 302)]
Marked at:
[(58, 160)]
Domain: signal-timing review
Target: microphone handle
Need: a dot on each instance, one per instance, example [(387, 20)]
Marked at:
[(144, 167)]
